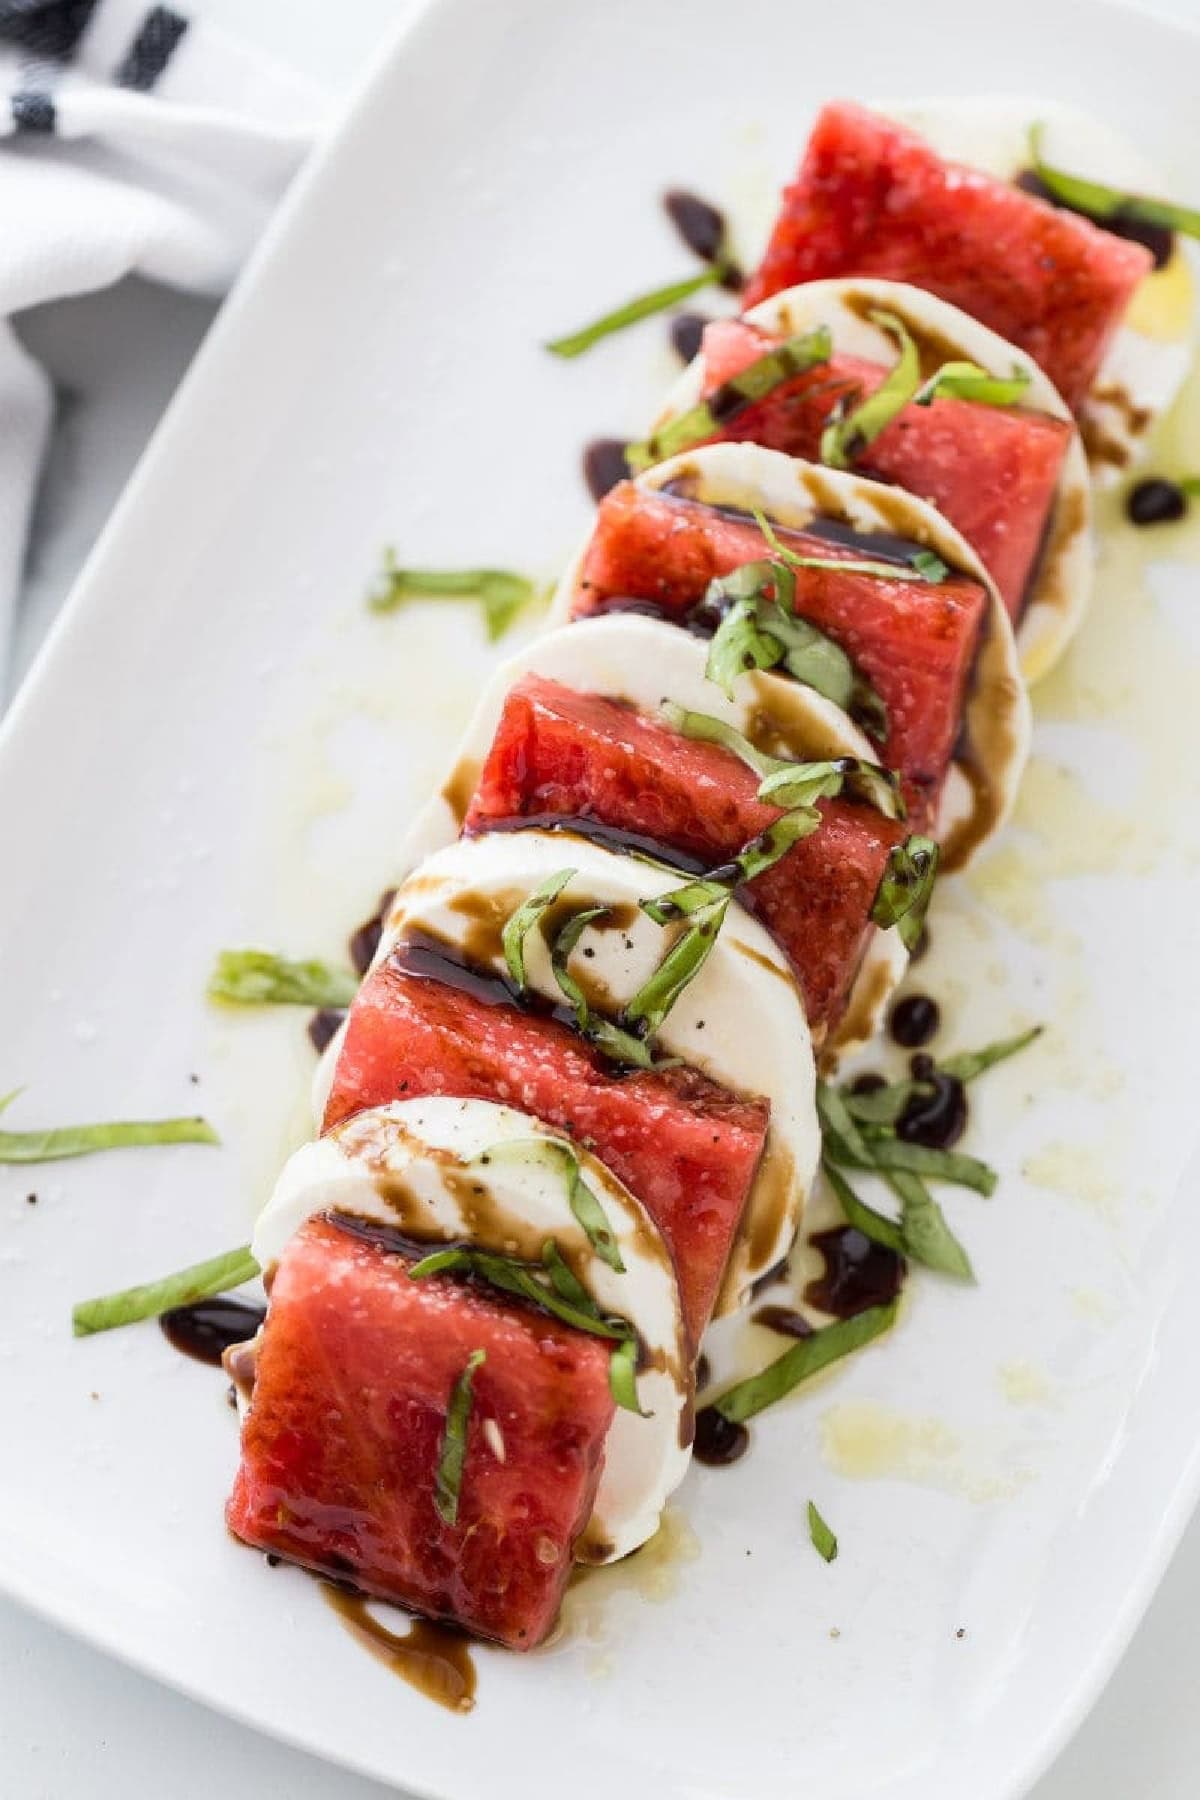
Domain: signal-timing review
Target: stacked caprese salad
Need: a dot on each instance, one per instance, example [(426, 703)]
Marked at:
[(574, 1111)]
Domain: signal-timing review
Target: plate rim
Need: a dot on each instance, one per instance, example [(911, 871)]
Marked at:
[(1180, 1504)]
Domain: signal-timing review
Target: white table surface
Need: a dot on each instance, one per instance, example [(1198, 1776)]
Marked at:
[(73, 1723)]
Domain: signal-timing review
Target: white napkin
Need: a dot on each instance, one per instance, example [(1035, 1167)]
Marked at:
[(132, 140)]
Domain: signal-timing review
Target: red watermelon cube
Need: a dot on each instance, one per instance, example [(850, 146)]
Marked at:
[(566, 755), (872, 198), (340, 1447), (993, 471), (915, 641), (682, 1144)]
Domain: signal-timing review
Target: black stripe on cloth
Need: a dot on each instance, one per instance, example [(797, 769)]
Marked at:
[(152, 49), (50, 28), (32, 110)]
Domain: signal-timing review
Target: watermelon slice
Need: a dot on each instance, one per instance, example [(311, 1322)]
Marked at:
[(341, 1444), (993, 471), (686, 1148), (561, 754), (872, 198), (913, 640)]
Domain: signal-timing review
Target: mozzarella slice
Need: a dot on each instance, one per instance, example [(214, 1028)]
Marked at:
[(646, 661), (403, 1165), (1152, 351), (740, 1021), (1063, 579), (994, 743)]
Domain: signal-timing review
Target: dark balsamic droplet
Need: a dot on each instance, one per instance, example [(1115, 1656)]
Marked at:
[(324, 1026), (914, 1020), (858, 1273), (699, 223), (703, 1372), (687, 334), (719, 1441), (365, 941), (206, 1329), (921, 1067), (604, 464), (867, 1083), (936, 1120), (1155, 501), (784, 1319)]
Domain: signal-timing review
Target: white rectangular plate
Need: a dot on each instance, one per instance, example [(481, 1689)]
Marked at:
[(222, 746)]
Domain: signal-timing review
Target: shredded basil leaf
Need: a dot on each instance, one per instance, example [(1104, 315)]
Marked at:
[(152, 1298), (540, 1286), (864, 1218), (760, 854), (562, 1296), (1102, 202), (759, 629), (520, 923), (929, 566), (447, 1484), (838, 1127), (921, 1231), (62, 1141), (622, 1376), (683, 902), (923, 563), (967, 381), (679, 967), (606, 1034), (847, 436), (884, 1105), (592, 1217), (260, 978), (823, 1541), (502, 594), (867, 781), (794, 356), (565, 1283), (661, 299), (585, 1206), (970, 1063), (703, 728), (646, 1011), (787, 783), (928, 1239), (805, 1358), (906, 888), (771, 845), (890, 1153)]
